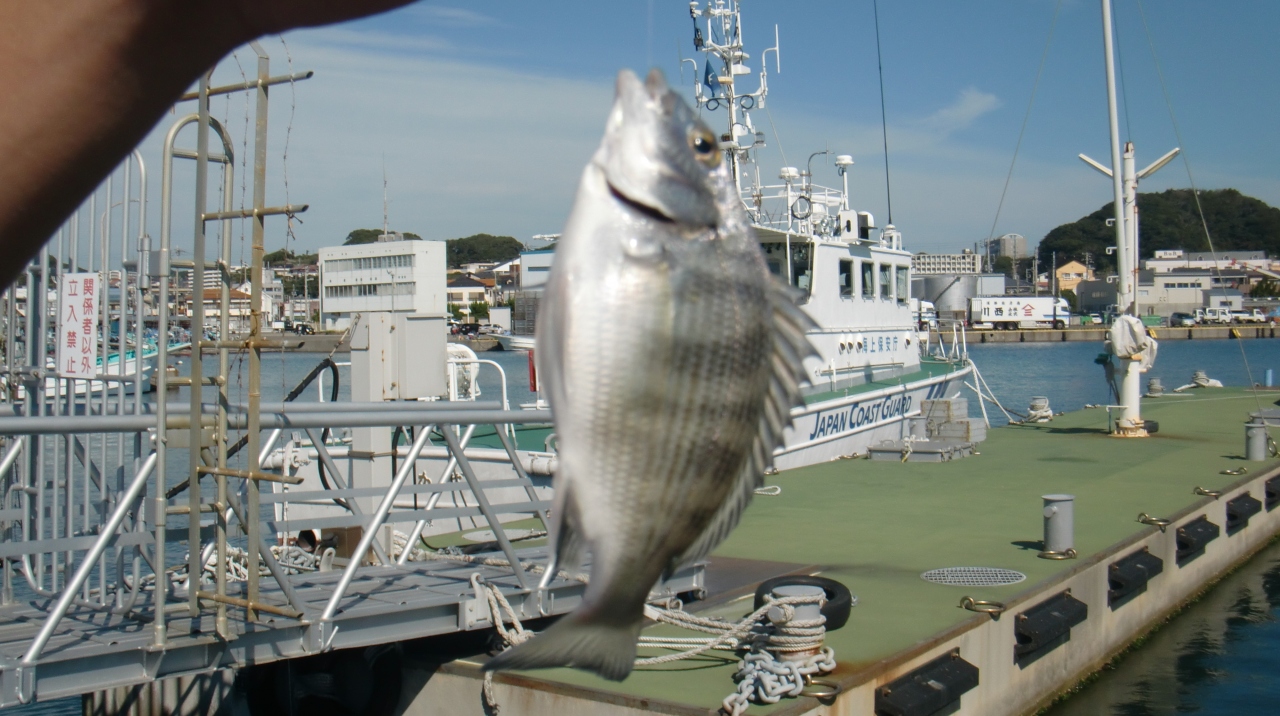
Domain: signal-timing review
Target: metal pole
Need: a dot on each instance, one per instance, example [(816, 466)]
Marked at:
[(224, 373), (86, 567), (194, 567), (1117, 180), (379, 515), (1130, 390), (255, 318), (483, 502)]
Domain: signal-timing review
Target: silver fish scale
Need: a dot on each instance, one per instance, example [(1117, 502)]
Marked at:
[(688, 361)]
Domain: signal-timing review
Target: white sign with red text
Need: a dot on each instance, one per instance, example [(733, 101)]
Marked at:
[(78, 325)]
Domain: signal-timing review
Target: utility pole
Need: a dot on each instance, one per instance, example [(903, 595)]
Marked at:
[(1055, 274), (1035, 272)]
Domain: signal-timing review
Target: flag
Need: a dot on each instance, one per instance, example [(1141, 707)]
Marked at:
[(710, 80)]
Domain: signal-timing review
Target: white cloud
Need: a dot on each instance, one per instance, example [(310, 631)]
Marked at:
[(960, 114), (454, 16)]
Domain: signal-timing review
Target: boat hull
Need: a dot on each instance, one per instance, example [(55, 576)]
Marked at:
[(847, 426)]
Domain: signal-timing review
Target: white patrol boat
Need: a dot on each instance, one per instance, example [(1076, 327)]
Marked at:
[(873, 369)]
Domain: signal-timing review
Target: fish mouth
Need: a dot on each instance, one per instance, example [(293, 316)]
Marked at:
[(649, 211)]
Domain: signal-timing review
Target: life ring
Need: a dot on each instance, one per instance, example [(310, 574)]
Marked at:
[(839, 600), (806, 212)]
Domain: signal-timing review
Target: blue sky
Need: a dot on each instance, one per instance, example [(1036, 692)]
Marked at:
[(484, 114)]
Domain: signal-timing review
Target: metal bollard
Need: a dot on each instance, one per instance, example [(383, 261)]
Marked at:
[(1255, 440), (1059, 526), (803, 612)]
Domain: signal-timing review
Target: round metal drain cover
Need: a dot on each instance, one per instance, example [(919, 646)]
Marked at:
[(973, 576)]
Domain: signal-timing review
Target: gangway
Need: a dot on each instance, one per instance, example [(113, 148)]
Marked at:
[(139, 542)]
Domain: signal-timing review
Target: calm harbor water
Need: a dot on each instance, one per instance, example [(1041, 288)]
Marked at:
[(1218, 657)]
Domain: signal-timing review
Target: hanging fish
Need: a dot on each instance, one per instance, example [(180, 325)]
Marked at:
[(671, 358)]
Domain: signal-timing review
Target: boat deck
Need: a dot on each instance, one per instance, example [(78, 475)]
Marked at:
[(876, 526), (929, 368)]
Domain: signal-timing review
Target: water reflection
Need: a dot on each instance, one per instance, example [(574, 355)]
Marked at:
[(1217, 657)]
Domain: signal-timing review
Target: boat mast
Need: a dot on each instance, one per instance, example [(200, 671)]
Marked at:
[(1124, 287)]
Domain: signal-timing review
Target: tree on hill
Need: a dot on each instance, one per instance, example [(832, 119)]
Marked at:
[(285, 256), (479, 248), (1170, 220), (369, 236)]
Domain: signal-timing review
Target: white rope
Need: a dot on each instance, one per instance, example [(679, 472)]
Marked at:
[(500, 611), (767, 632)]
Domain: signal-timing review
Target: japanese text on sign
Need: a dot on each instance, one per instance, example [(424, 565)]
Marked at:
[(78, 325)]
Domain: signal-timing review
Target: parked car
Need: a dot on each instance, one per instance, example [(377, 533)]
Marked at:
[(303, 329), (1180, 320)]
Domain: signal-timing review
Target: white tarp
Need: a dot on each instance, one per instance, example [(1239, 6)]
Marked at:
[(78, 325), (1128, 339)]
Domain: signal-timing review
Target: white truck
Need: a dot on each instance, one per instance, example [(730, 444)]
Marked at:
[(1014, 312), (1253, 316), (925, 314), (1213, 315)]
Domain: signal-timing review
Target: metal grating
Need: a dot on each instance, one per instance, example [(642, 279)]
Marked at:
[(973, 576)]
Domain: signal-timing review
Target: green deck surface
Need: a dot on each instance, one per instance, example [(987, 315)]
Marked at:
[(929, 368), (875, 526)]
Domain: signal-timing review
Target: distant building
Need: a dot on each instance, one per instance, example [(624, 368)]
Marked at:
[(534, 268), (1096, 296), (1012, 245), (1070, 275), (1224, 298), (401, 276), (465, 290), (1174, 259), (932, 264)]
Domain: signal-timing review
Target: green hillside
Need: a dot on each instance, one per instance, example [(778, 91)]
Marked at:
[(1169, 220)]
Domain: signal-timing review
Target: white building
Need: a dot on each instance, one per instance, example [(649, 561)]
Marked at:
[(963, 263), (402, 276), (534, 268), (1169, 260)]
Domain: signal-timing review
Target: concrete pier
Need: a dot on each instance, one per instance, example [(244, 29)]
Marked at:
[(1089, 333)]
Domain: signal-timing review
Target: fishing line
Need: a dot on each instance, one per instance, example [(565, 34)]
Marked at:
[(776, 138), (1195, 192), (1035, 87), (884, 125), (1124, 88)]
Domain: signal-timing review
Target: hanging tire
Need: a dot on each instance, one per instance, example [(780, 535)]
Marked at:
[(839, 601)]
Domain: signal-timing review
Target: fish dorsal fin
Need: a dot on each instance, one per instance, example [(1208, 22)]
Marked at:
[(786, 372)]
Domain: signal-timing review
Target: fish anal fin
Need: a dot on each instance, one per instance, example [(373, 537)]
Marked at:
[(790, 348), (575, 641)]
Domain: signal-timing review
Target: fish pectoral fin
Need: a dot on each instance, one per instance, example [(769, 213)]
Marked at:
[(790, 348), (606, 649)]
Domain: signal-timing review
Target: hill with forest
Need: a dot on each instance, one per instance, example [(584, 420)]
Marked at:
[(369, 236), (1170, 220), (481, 248)]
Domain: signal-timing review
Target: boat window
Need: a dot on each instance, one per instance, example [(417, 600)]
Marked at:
[(801, 266), (886, 284), (903, 284), (868, 280), (846, 278)]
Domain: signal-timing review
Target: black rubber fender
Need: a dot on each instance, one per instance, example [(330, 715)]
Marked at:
[(839, 600)]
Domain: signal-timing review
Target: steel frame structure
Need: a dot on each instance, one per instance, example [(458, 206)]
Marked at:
[(95, 528)]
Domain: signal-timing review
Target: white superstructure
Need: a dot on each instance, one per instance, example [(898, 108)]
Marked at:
[(870, 373), (401, 276)]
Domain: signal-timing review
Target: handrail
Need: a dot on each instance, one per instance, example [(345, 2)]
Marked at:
[(374, 416), (123, 508)]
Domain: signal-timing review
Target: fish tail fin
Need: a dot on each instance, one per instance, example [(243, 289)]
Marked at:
[(606, 649)]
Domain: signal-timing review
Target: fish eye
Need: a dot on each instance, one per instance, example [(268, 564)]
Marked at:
[(704, 146)]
